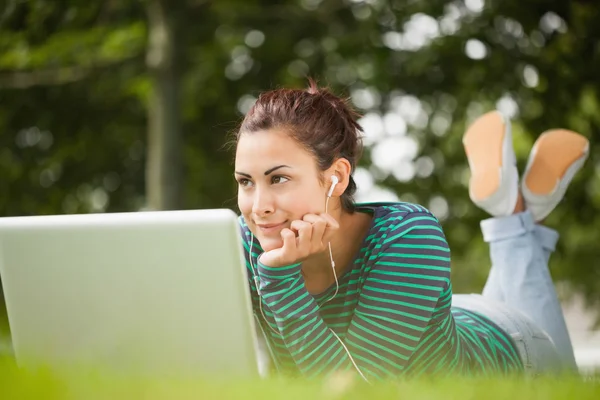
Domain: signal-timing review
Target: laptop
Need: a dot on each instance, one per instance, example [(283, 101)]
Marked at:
[(162, 292)]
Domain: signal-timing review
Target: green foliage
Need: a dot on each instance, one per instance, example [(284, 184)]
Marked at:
[(87, 48), (75, 142)]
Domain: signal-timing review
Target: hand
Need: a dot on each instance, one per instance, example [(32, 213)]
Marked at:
[(304, 238)]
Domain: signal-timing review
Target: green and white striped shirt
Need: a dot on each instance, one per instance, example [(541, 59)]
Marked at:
[(392, 311)]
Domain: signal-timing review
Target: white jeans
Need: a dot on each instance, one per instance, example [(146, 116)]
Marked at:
[(519, 295)]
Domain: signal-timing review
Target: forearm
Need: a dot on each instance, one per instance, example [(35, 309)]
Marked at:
[(314, 347)]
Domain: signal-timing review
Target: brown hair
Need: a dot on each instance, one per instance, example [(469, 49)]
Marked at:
[(320, 121)]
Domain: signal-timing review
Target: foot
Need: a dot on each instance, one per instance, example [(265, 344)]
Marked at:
[(494, 182), (555, 158)]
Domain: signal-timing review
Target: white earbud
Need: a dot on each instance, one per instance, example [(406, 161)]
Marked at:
[(334, 181)]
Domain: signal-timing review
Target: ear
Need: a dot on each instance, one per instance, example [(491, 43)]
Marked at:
[(342, 169)]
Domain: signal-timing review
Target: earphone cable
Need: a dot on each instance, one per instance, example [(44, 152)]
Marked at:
[(337, 286)]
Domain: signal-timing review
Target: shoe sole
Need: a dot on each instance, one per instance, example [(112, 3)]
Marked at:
[(483, 146), (555, 151)]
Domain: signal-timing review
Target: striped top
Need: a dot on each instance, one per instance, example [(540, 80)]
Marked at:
[(392, 311)]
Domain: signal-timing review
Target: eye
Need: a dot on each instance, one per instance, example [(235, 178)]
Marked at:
[(279, 179), (244, 182)]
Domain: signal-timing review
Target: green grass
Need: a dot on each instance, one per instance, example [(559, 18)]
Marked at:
[(44, 384)]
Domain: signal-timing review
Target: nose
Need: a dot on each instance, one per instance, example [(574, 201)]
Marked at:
[(263, 202)]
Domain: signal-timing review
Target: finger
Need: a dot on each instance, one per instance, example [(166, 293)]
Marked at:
[(331, 222), (318, 229), (331, 228), (304, 230), (312, 218), (289, 243)]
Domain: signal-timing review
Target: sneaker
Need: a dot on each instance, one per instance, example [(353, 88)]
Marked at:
[(494, 182), (554, 160)]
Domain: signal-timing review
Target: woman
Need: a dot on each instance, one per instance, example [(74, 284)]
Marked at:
[(341, 286)]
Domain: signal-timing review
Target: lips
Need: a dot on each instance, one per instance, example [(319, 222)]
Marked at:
[(267, 229)]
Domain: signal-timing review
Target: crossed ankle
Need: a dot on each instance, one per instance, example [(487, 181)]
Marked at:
[(520, 206)]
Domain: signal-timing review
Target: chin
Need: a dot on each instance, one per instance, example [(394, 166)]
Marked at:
[(268, 244)]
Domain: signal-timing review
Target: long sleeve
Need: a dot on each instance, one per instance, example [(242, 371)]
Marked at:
[(409, 270)]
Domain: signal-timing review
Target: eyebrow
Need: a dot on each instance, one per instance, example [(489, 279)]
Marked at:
[(267, 172), (271, 170)]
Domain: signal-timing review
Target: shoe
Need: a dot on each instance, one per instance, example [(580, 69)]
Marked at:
[(554, 160), (494, 182)]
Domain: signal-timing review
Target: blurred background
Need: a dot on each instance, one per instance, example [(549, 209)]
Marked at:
[(110, 106)]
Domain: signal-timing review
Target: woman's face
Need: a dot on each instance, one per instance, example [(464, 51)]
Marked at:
[(278, 182)]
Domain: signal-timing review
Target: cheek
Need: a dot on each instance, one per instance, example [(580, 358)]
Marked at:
[(296, 201), (244, 203), (302, 201)]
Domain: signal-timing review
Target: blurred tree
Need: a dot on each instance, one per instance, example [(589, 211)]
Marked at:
[(76, 99), (164, 148)]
